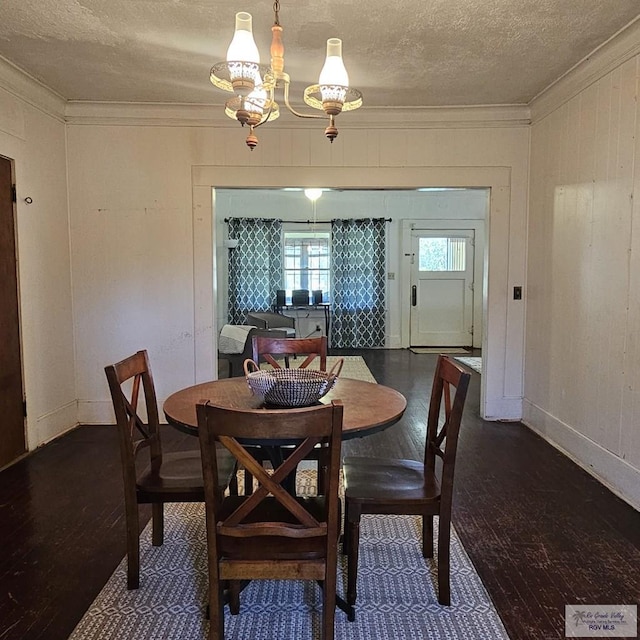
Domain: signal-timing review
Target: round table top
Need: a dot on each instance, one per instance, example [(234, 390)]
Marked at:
[(368, 407)]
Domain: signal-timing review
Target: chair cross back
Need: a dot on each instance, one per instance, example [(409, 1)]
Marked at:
[(450, 378), (265, 348), (135, 368), (134, 420), (234, 524)]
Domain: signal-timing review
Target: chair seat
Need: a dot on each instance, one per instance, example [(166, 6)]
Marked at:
[(181, 472), (384, 480)]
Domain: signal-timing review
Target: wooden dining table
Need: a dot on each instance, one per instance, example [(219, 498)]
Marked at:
[(368, 406)]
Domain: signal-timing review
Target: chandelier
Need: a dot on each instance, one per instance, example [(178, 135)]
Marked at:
[(254, 84)]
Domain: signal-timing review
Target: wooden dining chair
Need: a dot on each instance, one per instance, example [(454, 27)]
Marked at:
[(167, 477), (408, 487), (271, 534), (267, 349), (275, 351), (235, 361)]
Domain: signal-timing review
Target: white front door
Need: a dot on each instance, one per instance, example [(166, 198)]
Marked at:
[(442, 288)]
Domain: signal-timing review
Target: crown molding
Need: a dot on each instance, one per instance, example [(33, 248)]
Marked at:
[(159, 114), (25, 87), (76, 112), (622, 46)]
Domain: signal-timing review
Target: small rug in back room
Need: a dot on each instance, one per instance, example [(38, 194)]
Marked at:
[(447, 350)]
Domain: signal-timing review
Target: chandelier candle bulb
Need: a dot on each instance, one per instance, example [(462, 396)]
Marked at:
[(334, 79), (243, 47), (243, 56)]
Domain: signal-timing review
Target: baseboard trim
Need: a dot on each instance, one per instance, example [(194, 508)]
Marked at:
[(53, 424), (612, 471), (101, 412), (508, 409)]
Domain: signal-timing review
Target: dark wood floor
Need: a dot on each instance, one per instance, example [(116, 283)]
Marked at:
[(541, 532)]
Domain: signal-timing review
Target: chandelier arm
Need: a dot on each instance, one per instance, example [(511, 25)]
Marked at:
[(265, 118), (314, 116)]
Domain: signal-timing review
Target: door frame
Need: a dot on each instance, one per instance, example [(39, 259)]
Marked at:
[(479, 284), (502, 332), (25, 440)]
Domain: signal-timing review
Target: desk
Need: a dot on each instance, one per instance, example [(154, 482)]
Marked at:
[(368, 407), (325, 307)]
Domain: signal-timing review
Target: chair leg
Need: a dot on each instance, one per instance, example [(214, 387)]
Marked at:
[(133, 546), (353, 531), (323, 465), (234, 597), (216, 611), (233, 485), (329, 603), (248, 483), (444, 561), (157, 517), (427, 536), (345, 529)]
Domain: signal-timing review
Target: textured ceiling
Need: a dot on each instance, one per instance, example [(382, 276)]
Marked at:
[(403, 52)]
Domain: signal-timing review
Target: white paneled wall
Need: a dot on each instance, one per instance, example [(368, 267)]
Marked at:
[(35, 141), (117, 252), (582, 374), (142, 232)]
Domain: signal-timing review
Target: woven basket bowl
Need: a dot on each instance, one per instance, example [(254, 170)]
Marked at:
[(289, 387)]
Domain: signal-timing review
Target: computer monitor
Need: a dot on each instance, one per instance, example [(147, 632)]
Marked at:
[(300, 296)]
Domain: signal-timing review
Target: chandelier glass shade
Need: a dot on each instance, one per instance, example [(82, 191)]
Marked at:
[(254, 84)]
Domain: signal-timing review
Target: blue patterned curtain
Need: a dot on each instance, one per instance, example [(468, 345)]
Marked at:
[(255, 266), (358, 283)]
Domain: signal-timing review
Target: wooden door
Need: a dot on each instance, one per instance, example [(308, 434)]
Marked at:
[(442, 288), (12, 432)]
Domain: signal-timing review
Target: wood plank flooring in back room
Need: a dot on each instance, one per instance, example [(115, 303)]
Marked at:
[(541, 532)]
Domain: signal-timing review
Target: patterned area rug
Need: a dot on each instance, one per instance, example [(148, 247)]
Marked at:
[(396, 599), (450, 350), (472, 363)]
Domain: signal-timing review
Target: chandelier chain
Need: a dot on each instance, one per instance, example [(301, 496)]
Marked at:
[(276, 11)]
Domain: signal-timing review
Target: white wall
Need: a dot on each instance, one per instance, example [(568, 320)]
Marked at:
[(583, 306), (428, 206), (35, 139), (131, 234), (142, 256)]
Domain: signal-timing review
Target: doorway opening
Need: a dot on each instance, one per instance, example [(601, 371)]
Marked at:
[(501, 366)]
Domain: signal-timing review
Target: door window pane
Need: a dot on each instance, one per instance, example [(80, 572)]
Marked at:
[(442, 254)]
